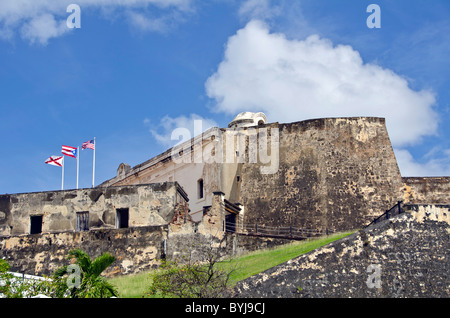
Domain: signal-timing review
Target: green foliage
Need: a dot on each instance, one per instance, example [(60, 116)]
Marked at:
[(79, 280), (4, 266), (189, 278), (83, 280), (15, 287), (193, 280)]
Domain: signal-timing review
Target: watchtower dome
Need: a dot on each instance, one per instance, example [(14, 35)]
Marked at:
[(248, 119)]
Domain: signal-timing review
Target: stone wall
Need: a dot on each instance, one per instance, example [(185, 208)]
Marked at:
[(406, 256), (426, 189), (138, 240), (148, 204), (238, 244), (136, 249), (335, 173)]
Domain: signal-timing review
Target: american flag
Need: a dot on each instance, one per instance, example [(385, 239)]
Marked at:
[(88, 145)]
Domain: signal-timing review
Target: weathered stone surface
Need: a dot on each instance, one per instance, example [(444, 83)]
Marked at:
[(148, 204), (335, 173), (135, 249), (406, 256), (426, 189)]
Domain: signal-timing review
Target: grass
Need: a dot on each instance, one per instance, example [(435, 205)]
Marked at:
[(134, 286), (255, 262)]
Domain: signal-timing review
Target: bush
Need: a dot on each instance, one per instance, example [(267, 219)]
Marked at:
[(15, 287), (79, 280), (4, 266), (188, 278)]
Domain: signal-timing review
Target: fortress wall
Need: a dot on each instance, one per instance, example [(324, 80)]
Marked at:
[(335, 173), (426, 189), (135, 249), (406, 256), (151, 204)]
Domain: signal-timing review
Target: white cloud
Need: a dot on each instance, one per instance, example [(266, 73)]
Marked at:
[(146, 21), (190, 125), (292, 80), (258, 9), (436, 166), (41, 20), (42, 28)]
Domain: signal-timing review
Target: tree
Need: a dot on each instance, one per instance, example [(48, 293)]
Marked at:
[(192, 277), (84, 280)]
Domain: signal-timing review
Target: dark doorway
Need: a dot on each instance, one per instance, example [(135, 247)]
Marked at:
[(122, 216), (82, 221), (35, 224), (230, 223)]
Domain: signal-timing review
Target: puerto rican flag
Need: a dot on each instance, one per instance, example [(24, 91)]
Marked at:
[(69, 151), (55, 161)]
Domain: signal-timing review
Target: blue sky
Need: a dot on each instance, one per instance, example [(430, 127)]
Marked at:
[(136, 70)]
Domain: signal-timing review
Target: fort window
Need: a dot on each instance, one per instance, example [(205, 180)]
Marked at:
[(82, 221), (122, 216), (35, 224), (200, 188)]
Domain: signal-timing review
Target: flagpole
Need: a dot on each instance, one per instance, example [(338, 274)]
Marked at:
[(93, 164), (78, 163), (62, 181)]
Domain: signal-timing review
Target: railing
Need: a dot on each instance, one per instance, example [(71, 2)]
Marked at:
[(292, 232), (16, 279), (395, 210), (23, 277)]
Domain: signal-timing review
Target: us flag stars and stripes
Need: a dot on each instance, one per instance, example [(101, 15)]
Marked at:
[(88, 145)]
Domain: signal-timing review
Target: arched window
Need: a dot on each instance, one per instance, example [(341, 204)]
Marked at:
[(200, 188)]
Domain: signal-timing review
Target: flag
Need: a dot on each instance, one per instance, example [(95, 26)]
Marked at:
[(69, 151), (55, 161), (88, 145)]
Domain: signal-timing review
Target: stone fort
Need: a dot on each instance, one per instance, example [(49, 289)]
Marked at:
[(246, 183)]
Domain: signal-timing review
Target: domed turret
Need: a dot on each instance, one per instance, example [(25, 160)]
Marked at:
[(248, 119)]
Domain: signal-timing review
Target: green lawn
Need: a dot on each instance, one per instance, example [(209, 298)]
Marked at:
[(255, 262), (134, 286)]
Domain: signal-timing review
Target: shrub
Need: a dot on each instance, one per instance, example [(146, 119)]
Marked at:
[(188, 278)]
